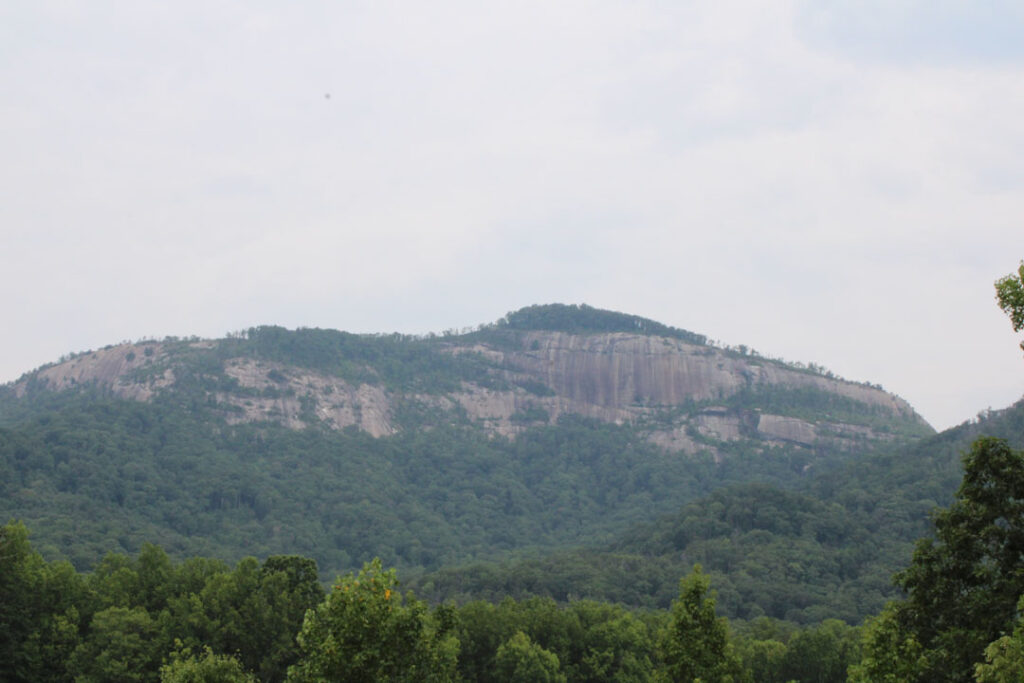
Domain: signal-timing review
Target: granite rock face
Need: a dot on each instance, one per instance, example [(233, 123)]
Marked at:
[(682, 394)]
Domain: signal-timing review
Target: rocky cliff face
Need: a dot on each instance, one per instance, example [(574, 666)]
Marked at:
[(114, 368), (685, 396), (618, 371), (623, 377)]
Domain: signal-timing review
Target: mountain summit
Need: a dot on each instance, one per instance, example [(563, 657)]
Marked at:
[(526, 370)]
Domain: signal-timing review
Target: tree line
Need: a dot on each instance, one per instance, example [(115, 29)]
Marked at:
[(147, 618)]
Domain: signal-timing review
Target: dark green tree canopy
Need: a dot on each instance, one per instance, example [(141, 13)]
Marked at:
[(964, 584), (695, 645), (365, 631), (520, 660), (584, 319)]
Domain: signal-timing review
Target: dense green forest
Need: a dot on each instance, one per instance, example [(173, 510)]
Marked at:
[(583, 319), (441, 492), (824, 548), (91, 472), (147, 618), (577, 550), (124, 473), (136, 472)]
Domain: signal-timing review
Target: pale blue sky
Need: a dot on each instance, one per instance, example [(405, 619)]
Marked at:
[(931, 32), (829, 182)]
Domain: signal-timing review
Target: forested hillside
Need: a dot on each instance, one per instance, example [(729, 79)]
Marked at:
[(558, 426), (824, 547), (146, 618)]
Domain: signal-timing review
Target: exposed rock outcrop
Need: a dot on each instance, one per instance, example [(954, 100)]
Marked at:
[(668, 386)]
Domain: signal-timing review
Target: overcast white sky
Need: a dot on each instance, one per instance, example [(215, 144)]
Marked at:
[(823, 181)]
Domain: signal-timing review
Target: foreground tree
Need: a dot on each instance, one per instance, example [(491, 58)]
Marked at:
[(187, 667), (963, 585), (364, 631), (520, 660), (1004, 658), (695, 644), (39, 624), (891, 653), (123, 646), (1010, 295)]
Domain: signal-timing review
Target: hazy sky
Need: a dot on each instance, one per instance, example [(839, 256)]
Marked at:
[(823, 181)]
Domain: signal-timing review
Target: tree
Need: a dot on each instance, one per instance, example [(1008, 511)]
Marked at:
[(122, 647), (821, 654), (1004, 658), (21, 575), (39, 620), (186, 667), (253, 611), (610, 644), (891, 654), (289, 586), (1010, 295), (762, 659), (695, 644), (963, 585), (520, 660), (364, 631)]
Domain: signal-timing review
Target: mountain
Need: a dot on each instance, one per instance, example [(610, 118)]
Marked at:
[(529, 369), (555, 426)]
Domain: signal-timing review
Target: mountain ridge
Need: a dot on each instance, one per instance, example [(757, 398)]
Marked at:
[(529, 368), (423, 451)]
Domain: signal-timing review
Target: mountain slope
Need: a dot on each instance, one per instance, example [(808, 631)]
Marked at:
[(556, 426), (505, 377), (824, 550)]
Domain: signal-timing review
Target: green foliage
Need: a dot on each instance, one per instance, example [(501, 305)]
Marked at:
[(1010, 296), (254, 611), (816, 539), (821, 654), (41, 611), (826, 549), (964, 584), (762, 659), (591, 641), (166, 472), (442, 492), (364, 631), (520, 660), (288, 588), (781, 553), (535, 387), (21, 574), (187, 667), (695, 645), (1004, 658), (775, 651), (890, 653), (127, 617), (131, 472), (815, 404), (397, 361), (530, 414), (207, 622), (122, 645), (583, 319)]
